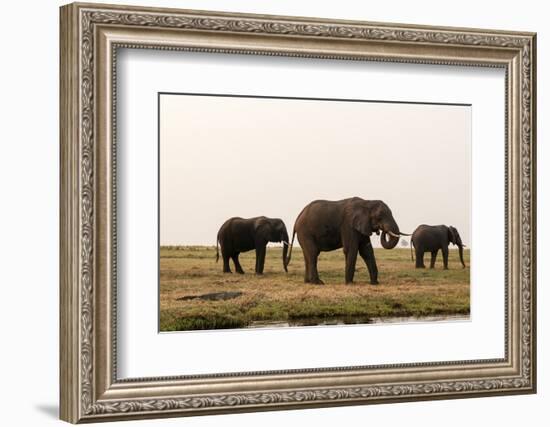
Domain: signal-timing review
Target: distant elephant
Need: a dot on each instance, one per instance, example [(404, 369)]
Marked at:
[(328, 225), (432, 238), (238, 235)]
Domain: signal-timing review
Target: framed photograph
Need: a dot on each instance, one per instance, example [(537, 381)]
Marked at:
[(266, 212)]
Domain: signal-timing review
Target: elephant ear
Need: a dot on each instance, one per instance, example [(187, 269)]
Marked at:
[(262, 229), (360, 220), (451, 233)]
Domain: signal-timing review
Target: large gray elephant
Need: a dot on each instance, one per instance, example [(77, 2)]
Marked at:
[(238, 235), (328, 225), (432, 238)]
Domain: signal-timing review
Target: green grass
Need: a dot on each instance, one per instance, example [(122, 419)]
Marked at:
[(284, 297)]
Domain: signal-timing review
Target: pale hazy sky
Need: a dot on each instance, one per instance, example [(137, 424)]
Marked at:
[(227, 156)]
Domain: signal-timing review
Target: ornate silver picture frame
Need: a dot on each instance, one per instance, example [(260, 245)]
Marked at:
[(91, 390)]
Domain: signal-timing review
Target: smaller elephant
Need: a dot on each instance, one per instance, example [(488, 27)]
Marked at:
[(432, 238), (238, 235)]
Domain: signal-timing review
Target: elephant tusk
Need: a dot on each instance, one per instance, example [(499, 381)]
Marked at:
[(285, 243), (392, 234), (404, 234)]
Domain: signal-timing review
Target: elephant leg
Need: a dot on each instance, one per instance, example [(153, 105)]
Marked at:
[(257, 261), (445, 252), (420, 258), (313, 272), (432, 260), (238, 267), (226, 268), (367, 253), (351, 259), (260, 259), (311, 254), (307, 264)]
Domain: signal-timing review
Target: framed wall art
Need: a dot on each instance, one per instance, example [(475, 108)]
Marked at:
[(266, 212)]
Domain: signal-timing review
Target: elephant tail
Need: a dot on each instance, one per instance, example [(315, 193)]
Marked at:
[(217, 248), (290, 249), (411, 245)]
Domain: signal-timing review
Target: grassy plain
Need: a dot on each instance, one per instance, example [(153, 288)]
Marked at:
[(188, 271)]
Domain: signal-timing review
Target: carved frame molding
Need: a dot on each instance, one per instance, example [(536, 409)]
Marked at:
[(90, 35)]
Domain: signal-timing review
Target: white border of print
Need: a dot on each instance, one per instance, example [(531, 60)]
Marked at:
[(144, 352)]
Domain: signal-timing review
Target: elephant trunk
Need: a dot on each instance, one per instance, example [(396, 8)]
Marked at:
[(461, 252), (388, 243), (392, 230), (285, 249)]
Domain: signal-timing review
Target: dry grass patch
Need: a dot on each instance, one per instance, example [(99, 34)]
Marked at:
[(283, 297)]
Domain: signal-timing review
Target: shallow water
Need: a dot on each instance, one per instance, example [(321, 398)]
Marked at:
[(358, 320)]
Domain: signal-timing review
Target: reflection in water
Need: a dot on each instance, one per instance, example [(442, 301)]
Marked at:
[(357, 320)]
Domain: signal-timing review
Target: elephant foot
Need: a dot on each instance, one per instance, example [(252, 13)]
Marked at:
[(227, 272), (445, 268), (259, 273), (349, 282), (374, 282), (420, 266), (317, 282), (240, 272)]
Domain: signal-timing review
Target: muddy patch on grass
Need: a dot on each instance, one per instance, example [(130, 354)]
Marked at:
[(213, 296)]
